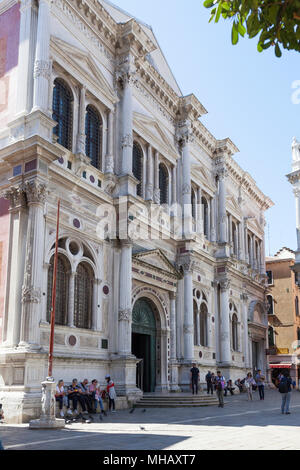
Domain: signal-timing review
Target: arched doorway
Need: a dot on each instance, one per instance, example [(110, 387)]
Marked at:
[(144, 344)]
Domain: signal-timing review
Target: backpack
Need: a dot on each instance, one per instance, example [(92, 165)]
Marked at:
[(283, 386)]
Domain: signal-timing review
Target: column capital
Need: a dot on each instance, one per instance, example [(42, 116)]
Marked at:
[(225, 285), (16, 197), (36, 192), (126, 70)]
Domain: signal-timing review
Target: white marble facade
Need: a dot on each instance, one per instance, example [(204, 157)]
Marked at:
[(164, 252)]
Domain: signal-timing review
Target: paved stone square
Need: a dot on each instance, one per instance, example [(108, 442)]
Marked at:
[(239, 425)]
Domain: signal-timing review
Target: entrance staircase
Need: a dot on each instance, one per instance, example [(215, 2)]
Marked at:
[(176, 400)]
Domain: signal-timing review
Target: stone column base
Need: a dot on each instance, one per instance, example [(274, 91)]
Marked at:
[(123, 373), (48, 420)]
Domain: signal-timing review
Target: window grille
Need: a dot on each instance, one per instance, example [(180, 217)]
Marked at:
[(203, 325), (234, 332), (163, 184), (62, 286), (93, 132), (62, 113), (83, 299), (137, 166)]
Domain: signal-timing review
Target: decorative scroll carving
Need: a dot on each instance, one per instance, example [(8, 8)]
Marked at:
[(31, 295), (42, 68), (16, 197), (36, 192), (125, 315), (127, 141), (225, 285)]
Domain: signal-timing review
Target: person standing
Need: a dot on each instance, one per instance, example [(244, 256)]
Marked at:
[(249, 382), (195, 377), (220, 385), (111, 392), (209, 383), (260, 380), (285, 388)]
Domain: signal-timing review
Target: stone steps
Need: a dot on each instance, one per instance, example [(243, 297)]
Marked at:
[(176, 402)]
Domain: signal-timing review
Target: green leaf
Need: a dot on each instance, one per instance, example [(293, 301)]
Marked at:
[(241, 29), (219, 11), (234, 35), (208, 3), (259, 48), (278, 52)]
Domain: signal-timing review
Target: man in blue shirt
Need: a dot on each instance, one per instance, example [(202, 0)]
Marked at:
[(259, 379), (285, 388)]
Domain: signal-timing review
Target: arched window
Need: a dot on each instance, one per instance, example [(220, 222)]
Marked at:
[(93, 132), (194, 212), (83, 299), (271, 337), (163, 184), (234, 239), (297, 305), (195, 323), (249, 249), (203, 324), (235, 345), (62, 113), (271, 305), (205, 215), (62, 284), (137, 166)]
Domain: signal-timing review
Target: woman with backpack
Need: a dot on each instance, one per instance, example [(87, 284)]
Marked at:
[(285, 388)]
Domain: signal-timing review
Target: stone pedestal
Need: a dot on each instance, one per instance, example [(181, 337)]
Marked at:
[(47, 419), (123, 373)]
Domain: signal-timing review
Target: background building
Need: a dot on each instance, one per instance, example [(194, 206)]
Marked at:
[(161, 246), (284, 316)]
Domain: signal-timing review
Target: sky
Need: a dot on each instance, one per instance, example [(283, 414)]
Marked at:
[(248, 96)]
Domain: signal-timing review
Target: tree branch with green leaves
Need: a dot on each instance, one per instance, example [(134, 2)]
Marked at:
[(277, 22)]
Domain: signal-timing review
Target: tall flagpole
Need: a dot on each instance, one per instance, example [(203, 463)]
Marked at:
[(52, 324), (48, 419)]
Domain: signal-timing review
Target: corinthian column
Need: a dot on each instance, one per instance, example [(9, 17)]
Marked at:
[(125, 307), (188, 325), (109, 159), (149, 185), (246, 337), (185, 137), (225, 324), (156, 194), (222, 205), (81, 123), (15, 274), (42, 64), (28, 26), (32, 286)]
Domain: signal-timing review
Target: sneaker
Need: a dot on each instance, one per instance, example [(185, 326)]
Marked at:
[(69, 412), (62, 414), (287, 413), (85, 413), (113, 411), (75, 412)]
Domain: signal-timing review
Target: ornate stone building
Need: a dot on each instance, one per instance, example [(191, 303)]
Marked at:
[(161, 242)]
